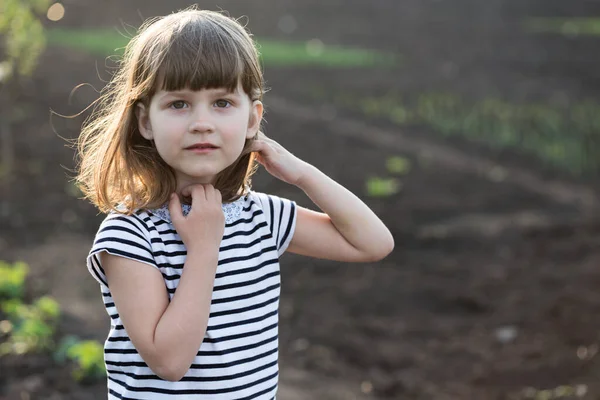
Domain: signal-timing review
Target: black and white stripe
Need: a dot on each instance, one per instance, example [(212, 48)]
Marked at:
[(238, 357)]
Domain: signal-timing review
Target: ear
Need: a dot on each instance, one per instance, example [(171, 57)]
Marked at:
[(141, 112), (256, 114)]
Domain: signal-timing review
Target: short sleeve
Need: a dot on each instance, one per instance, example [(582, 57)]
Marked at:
[(121, 235), (280, 214)]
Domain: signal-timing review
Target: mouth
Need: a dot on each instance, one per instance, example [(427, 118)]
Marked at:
[(202, 148)]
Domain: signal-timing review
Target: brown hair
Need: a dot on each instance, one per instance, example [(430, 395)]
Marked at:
[(121, 171)]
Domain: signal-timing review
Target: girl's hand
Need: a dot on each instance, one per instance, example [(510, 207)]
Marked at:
[(278, 161), (205, 223)]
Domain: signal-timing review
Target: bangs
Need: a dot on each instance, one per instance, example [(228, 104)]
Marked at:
[(201, 56)]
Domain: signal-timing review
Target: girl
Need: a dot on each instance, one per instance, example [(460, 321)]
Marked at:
[(188, 255)]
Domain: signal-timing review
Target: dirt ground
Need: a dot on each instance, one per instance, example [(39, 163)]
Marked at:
[(492, 288)]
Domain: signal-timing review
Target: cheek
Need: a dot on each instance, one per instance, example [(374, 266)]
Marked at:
[(236, 130), (166, 133), (236, 145)]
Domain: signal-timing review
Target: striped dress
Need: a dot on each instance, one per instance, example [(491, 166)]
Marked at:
[(238, 356)]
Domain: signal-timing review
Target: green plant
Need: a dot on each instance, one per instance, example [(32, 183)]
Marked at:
[(23, 35), (565, 26), (24, 41), (32, 327), (28, 327), (88, 356), (12, 279), (564, 137), (383, 187), (398, 165)]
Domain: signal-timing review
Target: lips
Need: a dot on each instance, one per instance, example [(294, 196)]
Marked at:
[(200, 146)]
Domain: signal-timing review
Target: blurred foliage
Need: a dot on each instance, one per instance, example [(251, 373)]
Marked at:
[(23, 35), (316, 53), (106, 42), (31, 328), (563, 137), (565, 26), (88, 356), (560, 392), (383, 187), (398, 165), (12, 279)]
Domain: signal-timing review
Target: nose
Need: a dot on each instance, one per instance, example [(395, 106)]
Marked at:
[(201, 122)]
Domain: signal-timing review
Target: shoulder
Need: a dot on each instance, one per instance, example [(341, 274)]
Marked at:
[(280, 214), (122, 230), (268, 201), (121, 235), (274, 207), (117, 222)]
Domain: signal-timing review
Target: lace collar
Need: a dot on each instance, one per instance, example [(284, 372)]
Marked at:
[(232, 211)]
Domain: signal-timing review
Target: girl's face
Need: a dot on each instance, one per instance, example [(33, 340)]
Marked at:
[(199, 133)]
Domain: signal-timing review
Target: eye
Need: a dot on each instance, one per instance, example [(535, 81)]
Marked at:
[(222, 103), (178, 104)]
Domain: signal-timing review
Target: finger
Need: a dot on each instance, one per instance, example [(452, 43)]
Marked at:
[(187, 191), (198, 193), (218, 196), (175, 208), (209, 192), (255, 146)]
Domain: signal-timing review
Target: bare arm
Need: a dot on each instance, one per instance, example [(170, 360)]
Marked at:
[(347, 230), (166, 334)]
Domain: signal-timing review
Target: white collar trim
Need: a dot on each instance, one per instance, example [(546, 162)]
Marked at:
[(232, 211)]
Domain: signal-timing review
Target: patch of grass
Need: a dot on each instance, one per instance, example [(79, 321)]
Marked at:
[(383, 187), (564, 26), (315, 53), (398, 165), (103, 42), (567, 138), (106, 42)]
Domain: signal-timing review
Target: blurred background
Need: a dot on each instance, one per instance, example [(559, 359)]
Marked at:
[(470, 127)]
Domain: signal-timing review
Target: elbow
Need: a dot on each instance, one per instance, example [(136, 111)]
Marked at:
[(170, 363), (390, 245), (170, 370), (387, 246), (169, 374), (379, 252)]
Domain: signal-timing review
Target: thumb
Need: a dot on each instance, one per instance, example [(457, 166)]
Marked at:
[(175, 208)]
